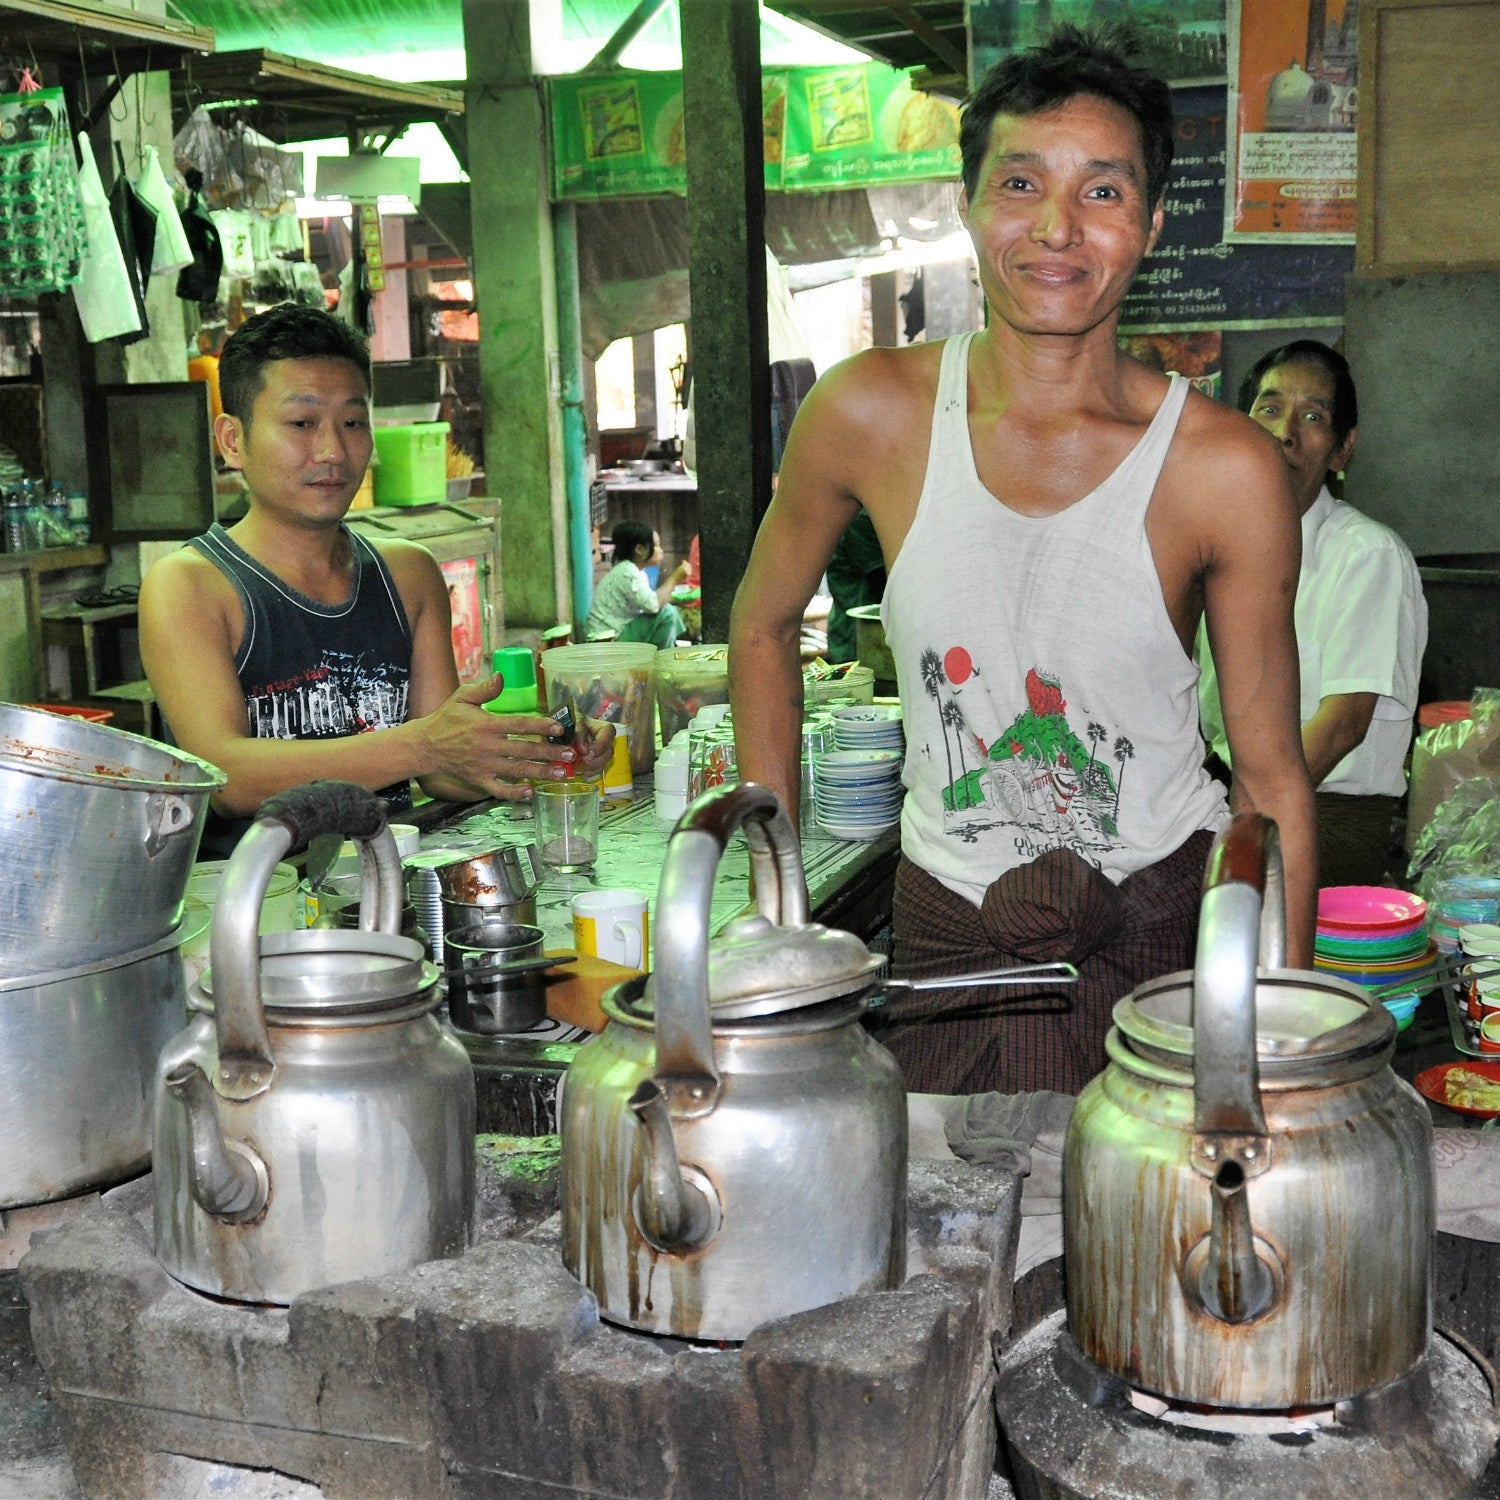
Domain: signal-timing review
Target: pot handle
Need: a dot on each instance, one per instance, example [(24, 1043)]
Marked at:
[(1241, 925), (685, 1067), (285, 823)]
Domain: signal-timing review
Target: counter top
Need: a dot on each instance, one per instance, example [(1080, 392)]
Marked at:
[(632, 844)]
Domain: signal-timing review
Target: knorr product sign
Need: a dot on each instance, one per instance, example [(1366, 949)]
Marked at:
[(621, 134)]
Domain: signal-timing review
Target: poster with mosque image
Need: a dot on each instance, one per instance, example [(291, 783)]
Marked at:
[(1293, 106)]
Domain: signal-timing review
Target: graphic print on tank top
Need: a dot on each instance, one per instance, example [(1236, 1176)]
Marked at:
[(1033, 774), (341, 694)]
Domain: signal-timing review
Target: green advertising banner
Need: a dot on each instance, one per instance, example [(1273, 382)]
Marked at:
[(621, 134)]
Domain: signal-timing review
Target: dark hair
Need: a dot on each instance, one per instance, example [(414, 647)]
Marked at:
[(1103, 62), (1345, 415), (628, 535), (286, 331)]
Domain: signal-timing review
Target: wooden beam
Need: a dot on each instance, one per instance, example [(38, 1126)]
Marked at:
[(940, 45)]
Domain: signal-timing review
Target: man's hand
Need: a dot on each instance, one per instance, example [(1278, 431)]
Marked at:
[(498, 755), (594, 745)]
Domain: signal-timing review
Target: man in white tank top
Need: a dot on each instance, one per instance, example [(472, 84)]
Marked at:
[(1055, 519)]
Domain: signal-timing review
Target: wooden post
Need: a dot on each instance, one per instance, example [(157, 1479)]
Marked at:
[(726, 204), (515, 292)]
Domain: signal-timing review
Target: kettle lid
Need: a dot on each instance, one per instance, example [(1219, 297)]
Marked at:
[(757, 967)]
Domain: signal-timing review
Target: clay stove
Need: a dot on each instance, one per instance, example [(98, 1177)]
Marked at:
[(493, 1375), (1073, 1431)]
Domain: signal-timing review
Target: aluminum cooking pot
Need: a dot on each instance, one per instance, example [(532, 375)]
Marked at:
[(314, 1122), (733, 1141), (98, 833), (77, 1057), (1248, 1192)]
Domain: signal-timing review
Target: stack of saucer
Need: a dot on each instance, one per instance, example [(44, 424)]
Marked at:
[(1377, 938), (857, 793), (868, 726)]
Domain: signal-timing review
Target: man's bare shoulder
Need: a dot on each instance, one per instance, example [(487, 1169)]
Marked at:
[(184, 578), (1210, 429), (865, 385), (409, 562)]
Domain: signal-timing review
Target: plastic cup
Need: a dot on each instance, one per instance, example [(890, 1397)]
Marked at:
[(281, 911), (619, 781), (567, 824), (1489, 1032)]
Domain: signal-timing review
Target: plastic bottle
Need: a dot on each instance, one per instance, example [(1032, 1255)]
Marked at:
[(78, 518), (10, 498)]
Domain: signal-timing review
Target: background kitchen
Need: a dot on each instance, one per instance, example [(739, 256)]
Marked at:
[(555, 314)]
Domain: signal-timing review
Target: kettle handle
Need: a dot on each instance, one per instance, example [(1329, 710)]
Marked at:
[(1241, 925), (685, 1067), (286, 822)]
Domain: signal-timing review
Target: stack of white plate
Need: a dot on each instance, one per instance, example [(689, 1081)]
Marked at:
[(868, 726), (857, 793)]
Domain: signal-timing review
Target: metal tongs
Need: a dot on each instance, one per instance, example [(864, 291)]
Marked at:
[(1026, 974), (1441, 972)]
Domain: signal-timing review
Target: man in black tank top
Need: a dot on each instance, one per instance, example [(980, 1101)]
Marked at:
[(285, 649)]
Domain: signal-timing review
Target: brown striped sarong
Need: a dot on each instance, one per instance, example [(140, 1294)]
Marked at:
[(1019, 1039), (1354, 838)]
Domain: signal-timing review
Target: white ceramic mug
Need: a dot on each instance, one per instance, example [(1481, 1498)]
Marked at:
[(613, 925)]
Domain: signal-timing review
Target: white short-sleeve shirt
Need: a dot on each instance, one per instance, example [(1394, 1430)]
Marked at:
[(1361, 628), (622, 594)]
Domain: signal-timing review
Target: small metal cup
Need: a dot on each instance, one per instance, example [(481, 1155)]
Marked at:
[(482, 996)]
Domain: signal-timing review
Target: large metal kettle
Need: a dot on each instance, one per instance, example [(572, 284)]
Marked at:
[(734, 1141), (1248, 1189), (314, 1123)]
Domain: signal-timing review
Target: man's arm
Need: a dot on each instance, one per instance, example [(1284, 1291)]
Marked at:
[(1339, 726), (814, 502), (189, 628), (1250, 587)]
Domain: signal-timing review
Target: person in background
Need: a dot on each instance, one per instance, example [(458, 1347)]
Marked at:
[(625, 602), (1055, 519), (856, 575), (1361, 618), (287, 648)]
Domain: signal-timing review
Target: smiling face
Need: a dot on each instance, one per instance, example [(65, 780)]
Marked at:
[(1059, 217), (1295, 405), (307, 443)]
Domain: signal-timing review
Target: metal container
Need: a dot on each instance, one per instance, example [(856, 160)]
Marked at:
[(98, 833), (77, 1054), (496, 877), (1248, 1187), (495, 984), (734, 1142), (314, 1122)]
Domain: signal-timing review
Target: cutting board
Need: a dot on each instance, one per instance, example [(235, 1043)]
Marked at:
[(574, 991)]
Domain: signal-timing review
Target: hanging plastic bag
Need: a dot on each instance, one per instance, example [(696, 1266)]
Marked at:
[(172, 253), (135, 227), (106, 304), (1449, 755), (199, 282)]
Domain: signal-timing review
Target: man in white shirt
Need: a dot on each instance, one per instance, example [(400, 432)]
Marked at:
[(1361, 618), (625, 602)]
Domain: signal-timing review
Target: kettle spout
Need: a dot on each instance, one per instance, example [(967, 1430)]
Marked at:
[(675, 1213), (1235, 1284), (228, 1179)]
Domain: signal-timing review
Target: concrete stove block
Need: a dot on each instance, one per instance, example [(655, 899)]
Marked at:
[(492, 1374)]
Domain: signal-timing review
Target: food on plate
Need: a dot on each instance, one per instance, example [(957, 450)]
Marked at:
[(1466, 1089)]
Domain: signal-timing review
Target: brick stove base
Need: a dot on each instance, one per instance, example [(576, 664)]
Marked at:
[(492, 1375)]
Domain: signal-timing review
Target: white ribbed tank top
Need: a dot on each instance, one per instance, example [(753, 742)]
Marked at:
[(1047, 699)]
